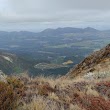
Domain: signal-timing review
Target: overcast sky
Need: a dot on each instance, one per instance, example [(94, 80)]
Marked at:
[(35, 15)]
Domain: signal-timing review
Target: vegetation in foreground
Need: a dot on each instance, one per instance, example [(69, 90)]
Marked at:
[(90, 92)]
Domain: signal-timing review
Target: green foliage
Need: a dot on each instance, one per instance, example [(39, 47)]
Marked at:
[(17, 69)]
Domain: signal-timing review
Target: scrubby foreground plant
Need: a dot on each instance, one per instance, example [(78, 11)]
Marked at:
[(11, 92), (48, 93), (7, 97)]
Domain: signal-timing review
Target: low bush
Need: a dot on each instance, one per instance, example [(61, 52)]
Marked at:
[(17, 85), (8, 99), (10, 93)]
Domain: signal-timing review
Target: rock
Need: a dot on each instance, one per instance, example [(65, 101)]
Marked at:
[(2, 76)]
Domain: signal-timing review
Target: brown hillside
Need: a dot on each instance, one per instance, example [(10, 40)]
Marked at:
[(96, 62)]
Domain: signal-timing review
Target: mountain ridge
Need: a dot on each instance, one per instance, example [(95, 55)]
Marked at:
[(53, 46), (92, 62), (54, 29)]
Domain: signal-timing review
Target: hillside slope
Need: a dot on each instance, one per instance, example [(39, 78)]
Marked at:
[(98, 61), (11, 63), (50, 93)]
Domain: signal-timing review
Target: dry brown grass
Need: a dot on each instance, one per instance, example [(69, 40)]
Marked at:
[(64, 91), (35, 104), (49, 93)]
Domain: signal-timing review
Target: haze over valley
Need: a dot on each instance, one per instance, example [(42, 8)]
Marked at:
[(52, 51)]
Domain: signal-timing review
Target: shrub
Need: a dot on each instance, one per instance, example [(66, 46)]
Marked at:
[(95, 103), (35, 104), (10, 92), (17, 86), (45, 89), (8, 100)]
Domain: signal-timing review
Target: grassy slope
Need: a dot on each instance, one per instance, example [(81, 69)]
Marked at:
[(48, 93)]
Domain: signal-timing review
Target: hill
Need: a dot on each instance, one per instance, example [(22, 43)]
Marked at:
[(50, 93), (52, 47), (98, 61), (14, 64), (10, 63)]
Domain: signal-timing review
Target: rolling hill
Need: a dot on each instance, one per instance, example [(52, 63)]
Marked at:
[(98, 61), (61, 93), (53, 47), (10, 63)]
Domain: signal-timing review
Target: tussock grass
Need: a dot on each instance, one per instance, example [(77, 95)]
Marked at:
[(49, 93)]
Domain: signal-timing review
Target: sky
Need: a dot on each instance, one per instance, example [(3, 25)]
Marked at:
[(36, 15)]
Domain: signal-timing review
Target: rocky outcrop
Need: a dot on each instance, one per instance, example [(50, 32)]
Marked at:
[(97, 61), (2, 76)]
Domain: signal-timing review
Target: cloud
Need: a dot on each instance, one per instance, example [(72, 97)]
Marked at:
[(59, 4), (54, 12)]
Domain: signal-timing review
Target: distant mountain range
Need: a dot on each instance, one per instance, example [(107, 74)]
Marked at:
[(51, 47), (68, 30), (50, 31)]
